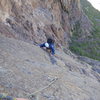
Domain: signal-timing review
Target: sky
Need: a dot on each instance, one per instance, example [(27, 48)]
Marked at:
[(95, 3)]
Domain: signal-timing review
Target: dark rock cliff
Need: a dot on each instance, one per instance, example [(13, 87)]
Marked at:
[(35, 20)]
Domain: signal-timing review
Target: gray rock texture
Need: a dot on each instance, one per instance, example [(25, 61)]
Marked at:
[(27, 69)]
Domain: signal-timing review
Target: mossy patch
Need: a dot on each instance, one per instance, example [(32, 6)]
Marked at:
[(89, 47)]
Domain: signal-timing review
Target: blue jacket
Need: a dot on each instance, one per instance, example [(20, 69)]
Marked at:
[(51, 47)]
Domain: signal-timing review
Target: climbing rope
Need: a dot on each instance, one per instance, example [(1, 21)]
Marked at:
[(34, 94)]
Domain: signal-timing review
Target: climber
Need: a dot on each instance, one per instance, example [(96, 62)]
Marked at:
[(49, 45), (6, 97)]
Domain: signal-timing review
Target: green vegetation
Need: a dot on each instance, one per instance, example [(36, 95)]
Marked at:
[(89, 47)]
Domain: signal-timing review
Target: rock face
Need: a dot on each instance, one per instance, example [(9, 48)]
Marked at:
[(94, 63), (26, 69), (36, 20)]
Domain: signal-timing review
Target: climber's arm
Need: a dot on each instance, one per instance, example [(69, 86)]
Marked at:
[(42, 45)]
